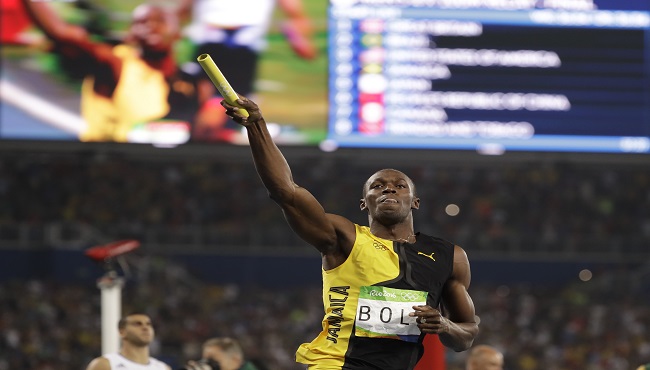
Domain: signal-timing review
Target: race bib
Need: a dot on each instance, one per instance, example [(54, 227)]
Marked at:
[(384, 313)]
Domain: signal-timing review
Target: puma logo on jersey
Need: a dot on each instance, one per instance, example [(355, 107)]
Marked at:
[(428, 255)]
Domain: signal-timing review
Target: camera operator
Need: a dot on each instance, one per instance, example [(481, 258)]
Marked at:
[(221, 354)]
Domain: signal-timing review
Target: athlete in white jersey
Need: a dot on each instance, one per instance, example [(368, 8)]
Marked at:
[(212, 19), (245, 23), (136, 334), (119, 362)]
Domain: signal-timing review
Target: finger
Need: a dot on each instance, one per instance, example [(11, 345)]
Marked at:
[(232, 113), (232, 109), (244, 99), (225, 104), (247, 103), (418, 311), (239, 118)]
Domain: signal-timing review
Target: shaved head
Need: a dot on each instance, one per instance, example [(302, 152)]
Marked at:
[(484, 357), (379, 173), (154, 28)]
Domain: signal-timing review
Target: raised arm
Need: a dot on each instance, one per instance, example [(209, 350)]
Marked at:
[(332, 235), (462, 326), (75, 39)]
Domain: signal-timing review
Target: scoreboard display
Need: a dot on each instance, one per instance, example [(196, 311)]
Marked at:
[(490, 75)]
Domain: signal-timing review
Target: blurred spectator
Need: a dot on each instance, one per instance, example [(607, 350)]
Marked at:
[(225, 353), (560, 209), (484, 357)]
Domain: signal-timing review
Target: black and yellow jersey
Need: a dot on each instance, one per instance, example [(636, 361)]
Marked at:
[(389, 275), (142, 95)]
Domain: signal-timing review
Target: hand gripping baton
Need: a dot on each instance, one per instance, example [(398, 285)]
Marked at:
[(219, 81)]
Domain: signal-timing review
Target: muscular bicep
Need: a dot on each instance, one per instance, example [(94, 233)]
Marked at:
[(456, 299), (327, 232)]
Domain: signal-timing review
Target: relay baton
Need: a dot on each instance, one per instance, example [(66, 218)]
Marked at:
[(219, 81)]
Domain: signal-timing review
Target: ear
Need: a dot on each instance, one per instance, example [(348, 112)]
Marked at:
[(415, 204), (362, 204)]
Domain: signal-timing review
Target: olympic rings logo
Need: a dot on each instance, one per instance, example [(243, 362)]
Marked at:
[(408, 296), (379, 246)]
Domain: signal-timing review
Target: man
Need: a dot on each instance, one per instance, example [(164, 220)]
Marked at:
[(384, 286), (136, 334), (484, 357), (133, 91), (224, 354), (235, 37), (234, 33)]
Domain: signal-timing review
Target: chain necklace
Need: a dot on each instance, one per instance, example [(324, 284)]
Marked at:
[(405, 240)]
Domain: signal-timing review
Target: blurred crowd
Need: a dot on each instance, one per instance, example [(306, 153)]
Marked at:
[(562, 207), (553, 207), (597, 325)]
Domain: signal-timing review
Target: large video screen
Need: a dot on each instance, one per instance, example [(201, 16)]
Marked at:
[(490, 75), (114, 71)]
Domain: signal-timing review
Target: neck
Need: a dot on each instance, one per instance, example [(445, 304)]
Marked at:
[(136, 354), (409, 239), (163, 62), (400, 232)]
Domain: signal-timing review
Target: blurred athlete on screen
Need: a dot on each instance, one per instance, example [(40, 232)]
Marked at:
[(234, 34), (384, 285), (134, 89), (136, 334)]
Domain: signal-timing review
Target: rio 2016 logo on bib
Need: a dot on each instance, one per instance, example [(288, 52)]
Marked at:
[(384, 313)]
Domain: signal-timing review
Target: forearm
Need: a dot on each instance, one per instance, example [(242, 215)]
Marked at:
[(45, 18), (271, 165), (459, 336)]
